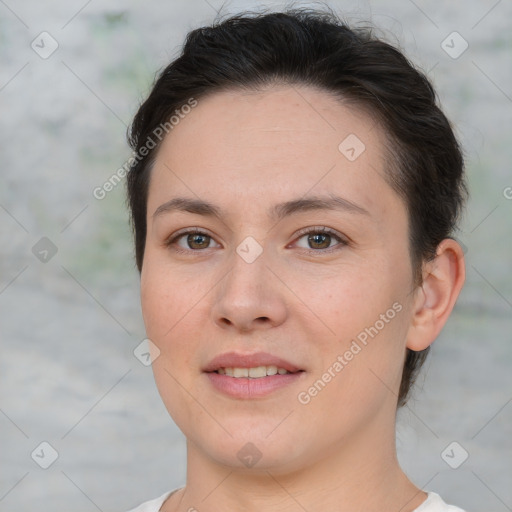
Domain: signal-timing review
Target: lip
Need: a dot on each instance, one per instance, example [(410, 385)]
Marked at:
[(238, 360), (245, 388)]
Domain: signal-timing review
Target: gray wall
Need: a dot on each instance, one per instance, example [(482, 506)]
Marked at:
[(69, 321)]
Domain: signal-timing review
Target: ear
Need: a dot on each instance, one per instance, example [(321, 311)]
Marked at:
[(443, 278)]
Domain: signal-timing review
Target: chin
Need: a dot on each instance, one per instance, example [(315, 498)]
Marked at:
[(277, 452)]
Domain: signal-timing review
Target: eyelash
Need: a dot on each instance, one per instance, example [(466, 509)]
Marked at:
[(172, 241)]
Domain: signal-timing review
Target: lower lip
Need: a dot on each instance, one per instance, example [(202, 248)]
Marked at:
[(252, 388)]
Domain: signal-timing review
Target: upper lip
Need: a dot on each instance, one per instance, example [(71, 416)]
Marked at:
[(238, 360)]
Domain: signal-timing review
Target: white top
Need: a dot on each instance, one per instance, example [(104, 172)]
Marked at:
[(433, 503)]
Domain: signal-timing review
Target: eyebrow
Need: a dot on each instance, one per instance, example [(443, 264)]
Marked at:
[(277, 212)]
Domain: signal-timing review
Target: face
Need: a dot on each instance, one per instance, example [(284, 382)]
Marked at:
[(287, 241)]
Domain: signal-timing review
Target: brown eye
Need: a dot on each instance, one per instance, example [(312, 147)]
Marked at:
[(190, 241), (198, 241), (319, 241)]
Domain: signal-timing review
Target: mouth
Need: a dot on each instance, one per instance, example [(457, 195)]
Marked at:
[(249, 376), (256, 365), (256, 372)]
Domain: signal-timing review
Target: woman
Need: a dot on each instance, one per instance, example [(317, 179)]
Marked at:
[(293, 196)]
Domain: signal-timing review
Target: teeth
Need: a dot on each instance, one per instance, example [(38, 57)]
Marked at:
[(253, 373), (240, 372), (272, 370)]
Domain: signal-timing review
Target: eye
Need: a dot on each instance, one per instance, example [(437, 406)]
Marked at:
[(190, 240), (320, 239)]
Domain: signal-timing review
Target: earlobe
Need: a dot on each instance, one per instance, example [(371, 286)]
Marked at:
[(443, 278)]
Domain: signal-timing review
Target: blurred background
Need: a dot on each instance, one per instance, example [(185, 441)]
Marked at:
[(82, 425)]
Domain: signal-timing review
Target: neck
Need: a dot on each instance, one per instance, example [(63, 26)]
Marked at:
[(362, 474)]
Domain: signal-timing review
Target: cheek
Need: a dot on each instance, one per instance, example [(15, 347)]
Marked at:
[(360, 372), (360, 316), (165, 297), (154, 301), (165, 301), (170, 302), (348, 297)]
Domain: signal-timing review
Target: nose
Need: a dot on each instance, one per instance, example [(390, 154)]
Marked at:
[(249, 297)]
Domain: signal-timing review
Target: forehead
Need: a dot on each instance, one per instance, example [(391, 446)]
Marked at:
[(285, 140), (275, 118)]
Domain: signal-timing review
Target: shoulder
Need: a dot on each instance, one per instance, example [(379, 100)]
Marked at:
[(152, 505), (434, 503)]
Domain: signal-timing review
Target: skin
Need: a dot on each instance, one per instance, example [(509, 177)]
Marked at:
[(302, 301)]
